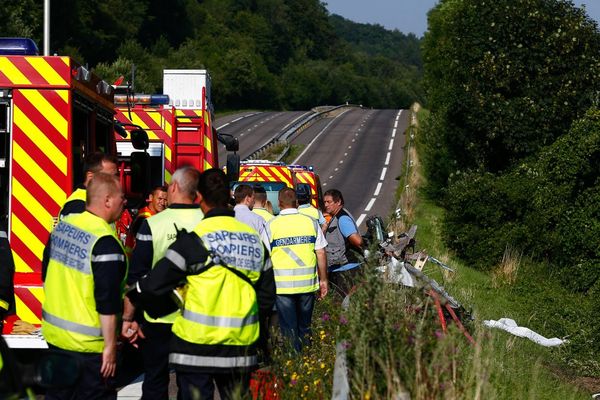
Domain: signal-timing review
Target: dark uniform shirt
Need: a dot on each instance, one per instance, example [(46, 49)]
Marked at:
[(7, 271), (75, 206)]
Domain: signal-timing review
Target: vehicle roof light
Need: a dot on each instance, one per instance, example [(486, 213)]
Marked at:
[(18, 47), (146, 99)]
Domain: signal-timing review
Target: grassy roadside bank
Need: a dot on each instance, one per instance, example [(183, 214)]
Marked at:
[(517, 367)]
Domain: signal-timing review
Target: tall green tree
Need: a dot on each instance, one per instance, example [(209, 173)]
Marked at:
[(504, 79)]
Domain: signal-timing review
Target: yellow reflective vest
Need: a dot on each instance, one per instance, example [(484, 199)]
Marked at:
[(70, 320), (310, 211), (162, 226), (293, 238), (78, 194), (263, 213), (221, 307)]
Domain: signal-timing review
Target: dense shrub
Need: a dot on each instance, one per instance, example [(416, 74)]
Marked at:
[(547, 207)]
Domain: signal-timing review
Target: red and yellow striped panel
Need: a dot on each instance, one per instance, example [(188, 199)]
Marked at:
[(40, 183), (270, 173), (158, 123), (210, 158), (308, 177), (35, 71)]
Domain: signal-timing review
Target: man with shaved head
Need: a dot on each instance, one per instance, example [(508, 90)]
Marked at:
[(300, 267), (84, 269), (155, 235)]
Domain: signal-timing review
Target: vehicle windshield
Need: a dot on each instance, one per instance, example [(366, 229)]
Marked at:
[(272, 189)]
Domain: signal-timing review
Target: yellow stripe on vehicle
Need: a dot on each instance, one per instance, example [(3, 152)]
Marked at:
[(49, 74), (34, 207), (135, 119), (12, 72), (284, 178), (25, 313), (20, 265), (167, 176), (38, 174), (64, 94), (47, 110), (38, 137), (26, 236), (38, 292)]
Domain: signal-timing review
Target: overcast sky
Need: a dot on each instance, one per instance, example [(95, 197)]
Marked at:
[(407, 15)]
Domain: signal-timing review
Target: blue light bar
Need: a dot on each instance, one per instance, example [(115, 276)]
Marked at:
[(18, 47)]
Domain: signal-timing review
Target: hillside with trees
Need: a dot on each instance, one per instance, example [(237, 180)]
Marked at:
[(266, 54), (513, 146)]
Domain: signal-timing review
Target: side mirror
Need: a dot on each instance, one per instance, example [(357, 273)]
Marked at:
[(233, 167), (140, 172), (139, 139), (231, 143), (120, 130)]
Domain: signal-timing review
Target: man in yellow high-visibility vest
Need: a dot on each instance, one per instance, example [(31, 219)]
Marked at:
[(84, 269), (228, 283), (300, 267)]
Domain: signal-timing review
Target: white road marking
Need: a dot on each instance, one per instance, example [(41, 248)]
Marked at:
[(336, 169), (378, 189), (391, 144), (224, 125), (370, 205), (387, 158), (383, 172), (316, 137), (394, 133), (330, 176), (341, 161), (360, 219), (345, 154)]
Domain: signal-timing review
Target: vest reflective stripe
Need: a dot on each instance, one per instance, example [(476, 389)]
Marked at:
[(293, 271), (293, 238), (310, 211), (71, 326), (143, 238), (176, 259), (220, 307), (71, 321), (293, 256), (108, 258), (163, 234), (218, 362), (223, 322), (3, 304), (3, 235), (297, 284)]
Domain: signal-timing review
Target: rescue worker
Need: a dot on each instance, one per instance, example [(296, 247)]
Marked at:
[(304, 206), (344, 243), (300, 267), (7, 272), (244, 202), (94, 162), (84, 269), (223, 264), (156, 202), (260, 203), (154, 237)]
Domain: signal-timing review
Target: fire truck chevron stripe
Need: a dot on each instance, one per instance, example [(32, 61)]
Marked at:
[(20, 265), (28, 306), (48, 72), (33, 206), (48, 111), (34, 188), (21, 230), (38, 174), (12, 73), (39, 139), (283, 177)]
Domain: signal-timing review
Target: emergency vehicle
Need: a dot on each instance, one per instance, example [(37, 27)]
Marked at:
[(53, 112), (275, 175), (179, 124)]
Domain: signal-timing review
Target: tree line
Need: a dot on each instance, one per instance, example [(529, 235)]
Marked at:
[(266, 54), (512, 148)]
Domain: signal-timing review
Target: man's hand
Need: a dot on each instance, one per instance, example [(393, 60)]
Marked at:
[(131, 331), (109, 361), (323, 289)]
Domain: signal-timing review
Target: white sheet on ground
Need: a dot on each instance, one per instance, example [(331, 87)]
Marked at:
[(509, 325)]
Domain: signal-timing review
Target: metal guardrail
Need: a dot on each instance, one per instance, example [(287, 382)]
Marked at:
[(284, 137)]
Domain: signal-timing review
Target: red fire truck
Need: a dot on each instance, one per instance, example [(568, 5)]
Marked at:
[(53, 112)]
